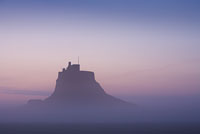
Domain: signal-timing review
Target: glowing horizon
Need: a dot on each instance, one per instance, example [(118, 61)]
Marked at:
[(134, 47)]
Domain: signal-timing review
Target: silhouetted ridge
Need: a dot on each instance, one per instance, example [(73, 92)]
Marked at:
[(74, 87)]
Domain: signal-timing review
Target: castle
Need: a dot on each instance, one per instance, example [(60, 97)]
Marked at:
[(72, 72), (79, 88)]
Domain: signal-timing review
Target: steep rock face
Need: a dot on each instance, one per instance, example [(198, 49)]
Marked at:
[(75, 87)]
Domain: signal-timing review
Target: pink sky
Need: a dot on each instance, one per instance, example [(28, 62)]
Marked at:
[(136, 52)]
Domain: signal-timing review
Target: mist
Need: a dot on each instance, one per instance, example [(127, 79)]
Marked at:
[(149, 114), (146, 109), (144, 54)]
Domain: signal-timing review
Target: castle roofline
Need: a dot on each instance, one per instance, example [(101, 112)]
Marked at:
[(73, 67)]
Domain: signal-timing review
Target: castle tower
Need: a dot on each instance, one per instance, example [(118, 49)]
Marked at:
[(73, 67)]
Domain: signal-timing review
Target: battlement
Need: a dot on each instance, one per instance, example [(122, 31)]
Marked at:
[(73, 67), (73, 73)]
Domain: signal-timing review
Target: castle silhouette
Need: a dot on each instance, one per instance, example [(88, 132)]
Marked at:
[(78, 88)]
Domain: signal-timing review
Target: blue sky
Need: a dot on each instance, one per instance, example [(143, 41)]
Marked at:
[(150, 46)]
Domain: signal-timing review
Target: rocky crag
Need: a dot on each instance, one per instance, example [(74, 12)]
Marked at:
[(79, 88)]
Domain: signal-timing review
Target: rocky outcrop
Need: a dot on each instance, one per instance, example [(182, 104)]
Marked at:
[(79, 88)]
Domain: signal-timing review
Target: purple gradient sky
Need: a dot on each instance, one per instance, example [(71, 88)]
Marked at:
[(134, 47)]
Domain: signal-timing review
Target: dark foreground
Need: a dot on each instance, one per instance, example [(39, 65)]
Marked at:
[(99, 128)]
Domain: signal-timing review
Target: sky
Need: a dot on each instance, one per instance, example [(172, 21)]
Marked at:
[(135, 47)]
